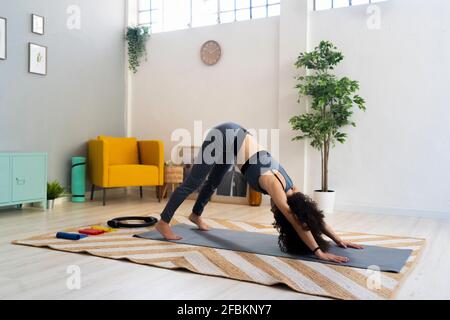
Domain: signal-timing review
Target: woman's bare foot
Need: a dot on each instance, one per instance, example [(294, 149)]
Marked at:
[(199, 222), (166, 232)]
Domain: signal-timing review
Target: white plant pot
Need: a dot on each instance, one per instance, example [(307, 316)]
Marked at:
[(325, 201)]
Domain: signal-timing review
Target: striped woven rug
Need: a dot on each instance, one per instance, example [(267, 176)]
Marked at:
[(310, 278)]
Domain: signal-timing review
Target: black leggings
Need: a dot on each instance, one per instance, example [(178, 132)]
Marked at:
[(215, 158)]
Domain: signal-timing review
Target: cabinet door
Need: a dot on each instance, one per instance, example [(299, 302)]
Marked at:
[(28, 180), (5, 179)]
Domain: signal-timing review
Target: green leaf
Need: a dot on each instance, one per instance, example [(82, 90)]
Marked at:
[(54, 190)]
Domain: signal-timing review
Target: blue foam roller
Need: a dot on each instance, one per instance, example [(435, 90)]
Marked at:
[(70, 236)]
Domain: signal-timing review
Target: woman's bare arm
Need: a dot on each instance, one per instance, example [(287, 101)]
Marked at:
[(329, 232), (279, 198), (341, 243)]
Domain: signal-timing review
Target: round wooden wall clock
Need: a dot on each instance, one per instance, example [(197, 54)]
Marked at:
[(210, 52)]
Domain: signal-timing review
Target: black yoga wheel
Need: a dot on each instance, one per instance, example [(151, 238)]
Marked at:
[(121, 222)]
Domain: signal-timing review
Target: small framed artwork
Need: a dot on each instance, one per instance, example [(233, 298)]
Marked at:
[(3, 35), (37, 59), (37, 24)]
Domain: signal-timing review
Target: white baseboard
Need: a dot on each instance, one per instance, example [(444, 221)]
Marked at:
[(359, 208), (340, 207), (110, 193)]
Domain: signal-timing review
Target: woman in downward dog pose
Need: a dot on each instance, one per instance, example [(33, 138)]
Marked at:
[(300, 223)]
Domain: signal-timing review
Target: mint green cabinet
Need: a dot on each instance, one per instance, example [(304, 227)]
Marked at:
[(5, 179), (29, 178), (23, 178)]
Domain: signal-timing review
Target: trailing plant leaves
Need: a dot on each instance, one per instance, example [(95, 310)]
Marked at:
[(137, 40)]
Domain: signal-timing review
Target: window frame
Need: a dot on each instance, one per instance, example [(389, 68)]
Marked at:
[(350, 4), (251, 8), (139, 11)]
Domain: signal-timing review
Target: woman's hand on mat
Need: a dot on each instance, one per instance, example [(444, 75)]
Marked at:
[(347, 244), (331, 257)]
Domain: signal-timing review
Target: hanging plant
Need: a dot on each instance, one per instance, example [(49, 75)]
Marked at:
[(137, 39)]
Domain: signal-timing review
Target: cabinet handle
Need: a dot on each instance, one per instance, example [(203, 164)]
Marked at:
[(20, 181)]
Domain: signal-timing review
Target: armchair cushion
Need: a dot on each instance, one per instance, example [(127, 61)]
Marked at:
[(133, 175), (121, 150), (151, 152)]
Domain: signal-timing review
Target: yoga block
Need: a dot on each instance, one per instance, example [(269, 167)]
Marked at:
[(70, 236), (91, 232)]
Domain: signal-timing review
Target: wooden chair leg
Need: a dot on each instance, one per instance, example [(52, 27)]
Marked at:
[(140, 191), (104, 196), (164, 191), (92, 191)]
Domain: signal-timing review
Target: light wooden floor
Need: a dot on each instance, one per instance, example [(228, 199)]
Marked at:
[(32, 273)]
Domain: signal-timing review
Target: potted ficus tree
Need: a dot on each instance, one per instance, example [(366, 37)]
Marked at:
[(332, 101)]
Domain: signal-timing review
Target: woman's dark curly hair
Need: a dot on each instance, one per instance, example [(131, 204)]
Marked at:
[(308, 214)]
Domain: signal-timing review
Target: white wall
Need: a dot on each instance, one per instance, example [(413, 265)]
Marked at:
[(82, 94), (397, 159), (174, 88), (293, 40)]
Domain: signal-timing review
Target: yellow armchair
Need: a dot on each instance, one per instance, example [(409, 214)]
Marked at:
[(125, 162)]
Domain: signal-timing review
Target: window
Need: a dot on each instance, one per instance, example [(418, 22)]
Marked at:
[(238, 10), (150, 14), (167, 15), (204, 12), (330, 4)]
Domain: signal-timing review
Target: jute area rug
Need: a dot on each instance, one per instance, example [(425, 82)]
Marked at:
[(310, 278)]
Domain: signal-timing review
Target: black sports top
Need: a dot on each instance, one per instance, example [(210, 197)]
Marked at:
[(260, 163)]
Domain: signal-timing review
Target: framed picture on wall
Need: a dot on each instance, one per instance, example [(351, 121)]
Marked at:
[(37, 24), (37, 59), (3, 35)]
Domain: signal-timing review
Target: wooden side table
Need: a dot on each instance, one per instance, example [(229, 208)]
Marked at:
[(173, 175)]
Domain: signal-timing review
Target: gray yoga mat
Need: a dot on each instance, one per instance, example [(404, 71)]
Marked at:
[(386, 259)]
